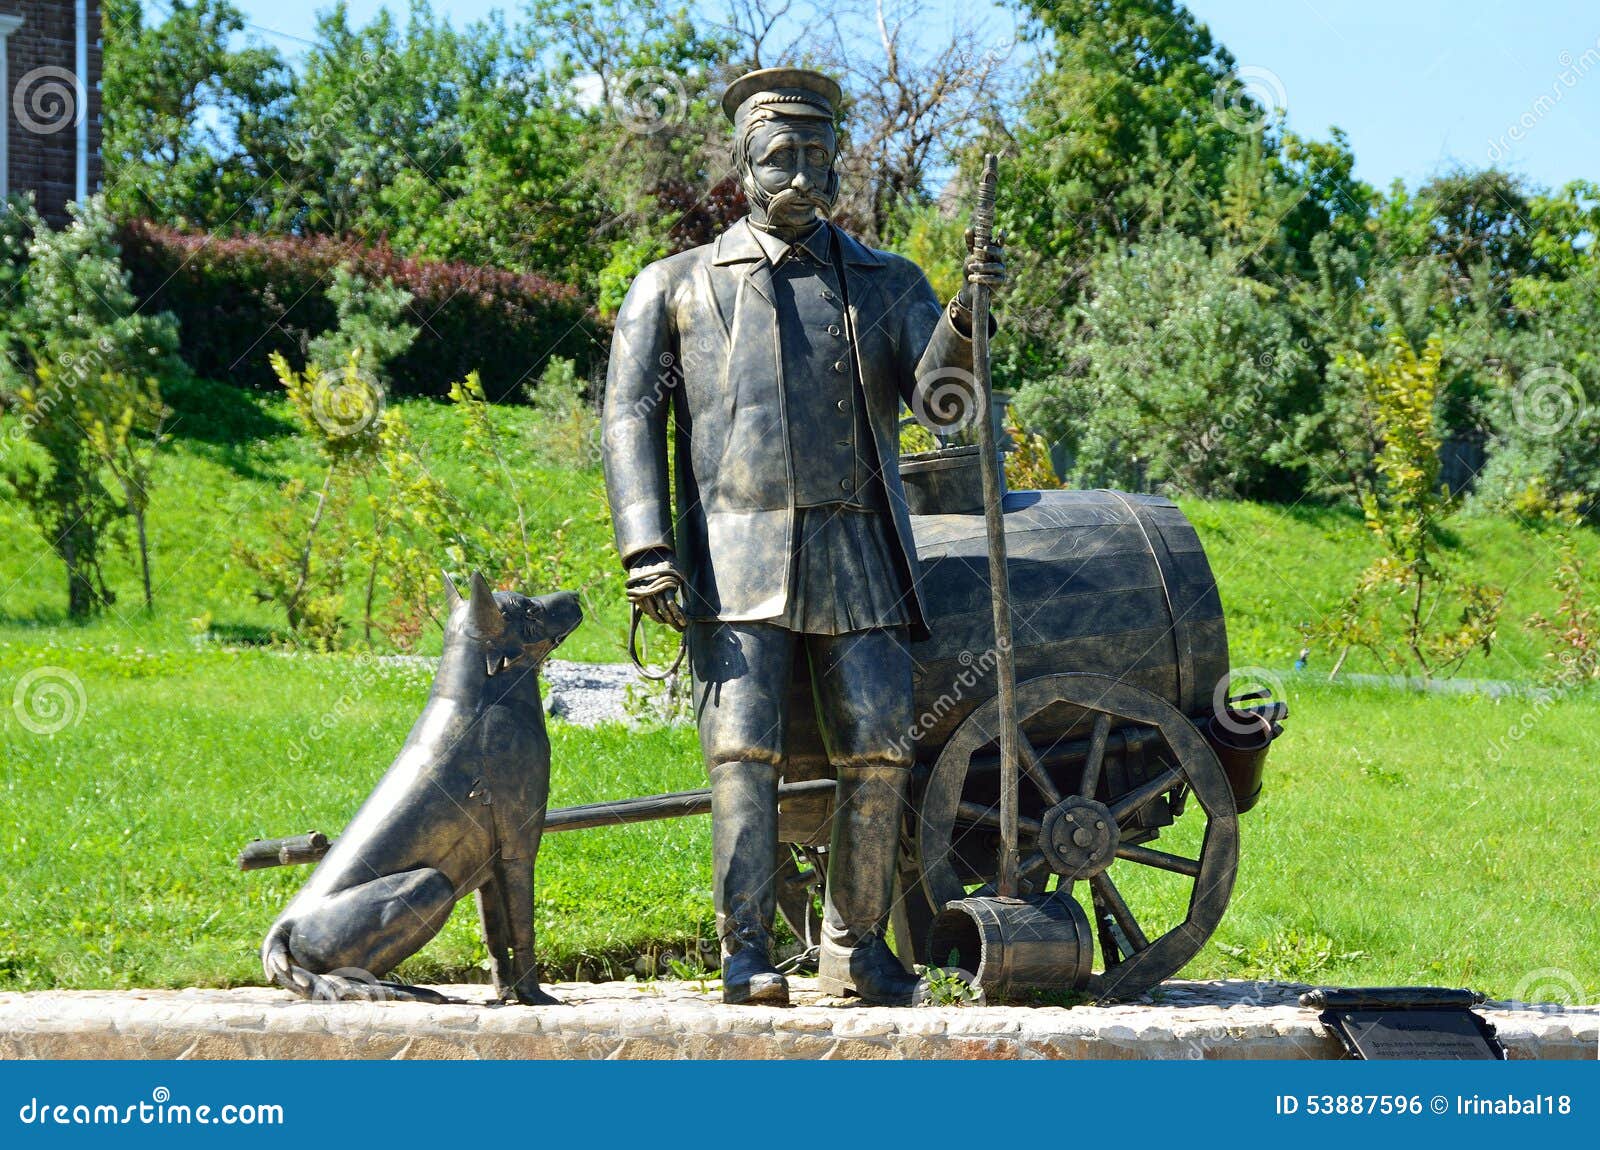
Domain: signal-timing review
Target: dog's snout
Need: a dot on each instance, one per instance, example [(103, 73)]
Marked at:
[(560, 613)]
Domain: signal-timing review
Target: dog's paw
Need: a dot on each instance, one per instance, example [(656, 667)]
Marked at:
[(530, 997)]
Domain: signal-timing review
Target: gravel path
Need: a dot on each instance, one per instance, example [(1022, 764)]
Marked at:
[(580, 693), (589, 693)]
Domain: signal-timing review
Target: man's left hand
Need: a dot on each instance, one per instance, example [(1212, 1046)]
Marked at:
[(986, 267)]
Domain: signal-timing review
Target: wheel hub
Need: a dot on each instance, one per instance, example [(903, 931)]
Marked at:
[(1079, 837)]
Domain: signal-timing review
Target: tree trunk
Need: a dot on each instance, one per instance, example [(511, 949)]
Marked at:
[(292, 606), (372, 567), (144, 558), (80, 595)]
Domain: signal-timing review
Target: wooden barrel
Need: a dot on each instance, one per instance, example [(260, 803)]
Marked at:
[(1101, 581)]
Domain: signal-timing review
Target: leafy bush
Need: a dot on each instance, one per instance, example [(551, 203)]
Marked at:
[(239, 299), (1574, 630), (303, 564), (1409, 608), (1544, 419), (569, 423), (1189, 377), (434, 524)]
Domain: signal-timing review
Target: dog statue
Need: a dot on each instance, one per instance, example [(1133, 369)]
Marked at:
[(460, 810)]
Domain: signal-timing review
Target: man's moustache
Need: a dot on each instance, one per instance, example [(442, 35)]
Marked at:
[(793, 197)]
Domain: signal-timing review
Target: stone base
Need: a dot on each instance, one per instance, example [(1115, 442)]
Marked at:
[(680, 1020)]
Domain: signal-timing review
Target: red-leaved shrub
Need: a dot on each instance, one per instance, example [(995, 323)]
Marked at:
[(240, 298)]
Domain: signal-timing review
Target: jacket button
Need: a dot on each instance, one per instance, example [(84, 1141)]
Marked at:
[(841, 443), (833, 329), (843, 405), (838, 365), (827, 295), (844, 484)]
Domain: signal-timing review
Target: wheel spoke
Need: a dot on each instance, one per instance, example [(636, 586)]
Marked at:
[(1033, 865), (1097, 755), (1161, 860), (1110, 949), (1107, 890), (1131, 803), (979, 815), (1035, 770)]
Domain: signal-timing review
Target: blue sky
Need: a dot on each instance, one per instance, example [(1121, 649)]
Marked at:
[(1419, 85)]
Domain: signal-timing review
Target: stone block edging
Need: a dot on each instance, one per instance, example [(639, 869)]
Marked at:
[(670, 1020)]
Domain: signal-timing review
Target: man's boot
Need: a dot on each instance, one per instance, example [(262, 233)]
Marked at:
[(744, 837), (855, 957)]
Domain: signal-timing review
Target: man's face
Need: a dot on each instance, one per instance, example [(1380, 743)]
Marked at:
[(791, 162)]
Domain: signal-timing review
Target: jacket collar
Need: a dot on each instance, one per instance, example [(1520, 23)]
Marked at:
[(818, 244), (743, 242)]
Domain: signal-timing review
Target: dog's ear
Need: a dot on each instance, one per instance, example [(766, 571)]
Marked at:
[(452, 596), (482, 611)]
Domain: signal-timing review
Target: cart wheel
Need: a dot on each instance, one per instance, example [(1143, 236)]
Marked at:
[(1072, 829), (911, 917)]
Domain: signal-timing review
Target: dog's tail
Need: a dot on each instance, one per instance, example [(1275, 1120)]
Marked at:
[(336, 986)]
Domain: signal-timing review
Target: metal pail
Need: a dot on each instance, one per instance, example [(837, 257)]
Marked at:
[(1038, 943)]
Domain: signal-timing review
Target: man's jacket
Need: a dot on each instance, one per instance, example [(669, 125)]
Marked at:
[(697, 337)]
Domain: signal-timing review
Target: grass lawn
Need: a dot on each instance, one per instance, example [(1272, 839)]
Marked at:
[(1394, 844), (118, 833), (220, 478), (1277, 567), (1398, 841)]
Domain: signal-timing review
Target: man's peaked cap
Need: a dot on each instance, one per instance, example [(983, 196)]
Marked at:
[(787, 91)]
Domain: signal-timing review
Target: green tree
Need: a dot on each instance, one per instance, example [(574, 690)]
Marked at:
[(1479, 219), (194, 123), (1127, 124), (1187, 377), (123, 419), (82, 373), (1131, 125), (1543, 413), (369, 326), (302, 563), (377, 114)]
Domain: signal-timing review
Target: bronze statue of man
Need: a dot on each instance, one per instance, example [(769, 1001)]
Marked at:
[(783, 350)]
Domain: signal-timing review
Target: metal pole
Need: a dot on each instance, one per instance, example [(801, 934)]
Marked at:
[(994, 523), (299, 850)]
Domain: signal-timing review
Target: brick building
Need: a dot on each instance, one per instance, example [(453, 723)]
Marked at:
[(50, 124)]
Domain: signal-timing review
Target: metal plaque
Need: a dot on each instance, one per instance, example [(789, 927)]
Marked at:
[(1441, 1033)]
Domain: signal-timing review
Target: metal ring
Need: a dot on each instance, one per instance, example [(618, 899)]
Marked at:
[(633, 652)]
